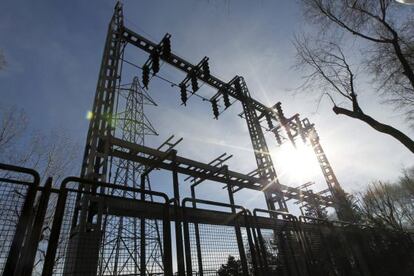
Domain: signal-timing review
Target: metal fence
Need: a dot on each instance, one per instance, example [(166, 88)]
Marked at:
[(71, 229)]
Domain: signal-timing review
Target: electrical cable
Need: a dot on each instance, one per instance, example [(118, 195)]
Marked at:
[(173, 84)]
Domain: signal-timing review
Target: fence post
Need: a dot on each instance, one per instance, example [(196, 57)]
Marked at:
[(143, 264), (249, 231), (178, 229), (237, 228), (166, 227), (197, 235), (23, 223), (32, 240), (187, 245), (302, 246), (55, 232), (262, 247)]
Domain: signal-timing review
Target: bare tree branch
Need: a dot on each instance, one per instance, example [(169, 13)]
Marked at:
[(390, 58), (373, 21), (383, 128)]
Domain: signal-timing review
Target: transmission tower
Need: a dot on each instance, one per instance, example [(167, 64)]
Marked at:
[(126, 240)]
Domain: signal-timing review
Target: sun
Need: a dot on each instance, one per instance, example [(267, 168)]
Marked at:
[(296, 164)]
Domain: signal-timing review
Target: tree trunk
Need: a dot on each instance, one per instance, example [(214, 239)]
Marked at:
[(395, 133)]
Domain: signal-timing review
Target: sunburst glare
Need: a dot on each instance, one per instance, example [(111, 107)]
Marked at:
[(296, 165)]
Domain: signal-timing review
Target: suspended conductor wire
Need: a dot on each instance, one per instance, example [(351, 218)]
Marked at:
[(163, 62), (222, 111), (160, 77), (136, 26), (173, 84), (192, 93)]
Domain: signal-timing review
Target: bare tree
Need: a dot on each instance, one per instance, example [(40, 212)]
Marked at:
[(379, 206), (385, 35), (52, 154), (407, 181), (389, 205), (13, 123)]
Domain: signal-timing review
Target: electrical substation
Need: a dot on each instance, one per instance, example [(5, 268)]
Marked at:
[(111, 221)]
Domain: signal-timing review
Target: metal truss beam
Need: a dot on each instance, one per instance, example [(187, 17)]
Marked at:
[(96, 152), (95, 164), (124, 207), (237, 89), (185, 66), (152, 157)]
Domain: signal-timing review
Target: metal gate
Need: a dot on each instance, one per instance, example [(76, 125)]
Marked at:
[(41, 234), (212, 237)]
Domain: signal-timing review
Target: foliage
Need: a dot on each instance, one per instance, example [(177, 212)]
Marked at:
[(233, 267)]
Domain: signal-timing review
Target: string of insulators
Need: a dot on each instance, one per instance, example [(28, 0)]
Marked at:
[(277, 135), (226, 99), (194, 83), (155, 59), (269, 121), (183, 90), (166, 47), (238, 88), (206, 69), (145, 75), (280, 111), (300, 128), (215, 108)]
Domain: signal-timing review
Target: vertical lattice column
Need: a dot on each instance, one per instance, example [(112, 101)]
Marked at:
[(95, 161), (341, 202), (264, 161)]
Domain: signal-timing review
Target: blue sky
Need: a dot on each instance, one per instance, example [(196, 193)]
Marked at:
[(54, 48)]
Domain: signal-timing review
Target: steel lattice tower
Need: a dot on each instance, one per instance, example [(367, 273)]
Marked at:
[(118, 123), (96, 156), (123, 247)]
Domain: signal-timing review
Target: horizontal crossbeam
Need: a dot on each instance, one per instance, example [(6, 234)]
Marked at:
[(187, 67), (150, 157)]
